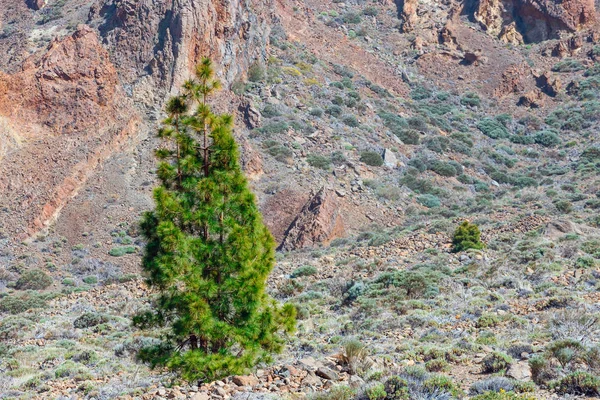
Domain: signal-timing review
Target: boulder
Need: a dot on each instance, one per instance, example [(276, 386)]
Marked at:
[(389, 159), (327, 373), (246, 380), (319, 221), (519, 371)]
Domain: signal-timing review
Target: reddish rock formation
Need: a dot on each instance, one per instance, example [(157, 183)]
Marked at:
[(66, 114), (532, 99), (281, 209), (512, 80), (549, 84), (538, 19), (319, 221)]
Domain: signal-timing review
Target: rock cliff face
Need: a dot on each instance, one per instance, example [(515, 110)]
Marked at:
[(534, 20), (155, 44), (63, 114), (65, 109)]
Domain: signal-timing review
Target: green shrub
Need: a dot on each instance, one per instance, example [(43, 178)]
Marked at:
[(502, 396), (271, 111), (493, 128), (351, 121), (68, 282), (439, 144), (470, 99), (318, 161), (467, 236), (371, 158), (487, 321), (420, 93), (88, 320), (334, 111), (437, 365), (305, 270), (274, 128), (256, 72), (376, 392), (351, 18), (409, 136), (34, 279), (121, 251), (15, 304), (577, 383), (13, 327), (429, 200), (496, 362), (370, 11), (441, 383), (442, 168), (316, 112), (340, 392), (564, 206), (567, 65), (547, 138)]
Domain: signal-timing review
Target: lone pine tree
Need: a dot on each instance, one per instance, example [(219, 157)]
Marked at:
[(208, 253)]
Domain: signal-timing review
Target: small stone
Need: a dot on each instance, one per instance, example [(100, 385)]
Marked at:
[(247, 380)]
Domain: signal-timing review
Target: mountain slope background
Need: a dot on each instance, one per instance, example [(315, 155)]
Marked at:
[(370, 130)]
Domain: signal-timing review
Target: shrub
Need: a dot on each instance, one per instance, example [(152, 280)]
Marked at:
[(341, 392), (439, 144), (34, 279), (121, 251), (487, 321), (371, 158), (470, 99), (409, 136), (318, 161), (88, 320), (418, 123), (429, 201), (25, 301), (305, 270), (334, 111), (376, 392), (564, 206), (351, 18), (274, 128), (443, 168), (577, 383), (316, 112), (420, 93), (437, 365), (270, 111), (547, 138), (351, 121), (442, 384), (567, 65), (467, 236), (496, 362), (256, 72), (495, 384), (13, 327), (493, 128), (502, 396), (370, 11)]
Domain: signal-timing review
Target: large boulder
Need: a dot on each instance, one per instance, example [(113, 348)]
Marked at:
[(319, 221)]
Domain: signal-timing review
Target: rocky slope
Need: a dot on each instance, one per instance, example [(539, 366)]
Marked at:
[(369, 131)]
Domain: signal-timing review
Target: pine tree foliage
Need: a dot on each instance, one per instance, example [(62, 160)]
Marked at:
[(208, 253), (467, 236)]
